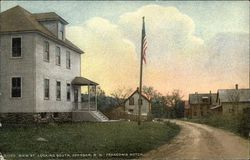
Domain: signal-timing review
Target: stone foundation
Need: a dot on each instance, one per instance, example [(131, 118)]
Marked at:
[(16, 118), (31, 118)]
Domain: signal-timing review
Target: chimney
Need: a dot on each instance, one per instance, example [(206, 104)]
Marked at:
[(236, 86)]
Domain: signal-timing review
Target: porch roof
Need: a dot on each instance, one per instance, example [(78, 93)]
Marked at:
[(81, 81), (215, 107)]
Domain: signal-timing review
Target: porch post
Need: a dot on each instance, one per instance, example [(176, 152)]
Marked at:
[(95, 98), (89, 97)]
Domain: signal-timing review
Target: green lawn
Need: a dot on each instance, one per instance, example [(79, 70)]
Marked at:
[(103, 139)]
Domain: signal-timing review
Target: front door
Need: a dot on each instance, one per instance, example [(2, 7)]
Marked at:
[(75, 95), (76, 98)]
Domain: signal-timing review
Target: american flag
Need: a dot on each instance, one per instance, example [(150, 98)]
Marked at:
[(144, 42), (143, 59)]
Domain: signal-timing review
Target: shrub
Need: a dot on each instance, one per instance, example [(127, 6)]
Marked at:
[(238, 123)]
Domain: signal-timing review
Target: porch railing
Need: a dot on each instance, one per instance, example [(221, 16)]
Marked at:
[(85, 106)]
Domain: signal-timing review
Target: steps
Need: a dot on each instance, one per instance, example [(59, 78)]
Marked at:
[(100, 116), (89, 116)]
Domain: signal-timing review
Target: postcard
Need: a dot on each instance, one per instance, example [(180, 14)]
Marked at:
[(165, 80)]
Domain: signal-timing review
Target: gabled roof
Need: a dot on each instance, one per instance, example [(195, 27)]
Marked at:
[(142, 95), (17, 19), (48, 17), (230, 95), (198, 97)]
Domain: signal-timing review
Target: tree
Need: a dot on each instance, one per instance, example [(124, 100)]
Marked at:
[(173, 98), (157, 105), (150, 92), (104, 102), (158, 108), (120, 95), (99, 91), (101, 98), (170, 105), (173, 103)]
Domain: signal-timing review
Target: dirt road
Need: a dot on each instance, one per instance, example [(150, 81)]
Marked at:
[(198, 141)]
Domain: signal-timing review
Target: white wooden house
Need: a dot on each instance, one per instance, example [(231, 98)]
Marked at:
[(131, 104), (40, 70)]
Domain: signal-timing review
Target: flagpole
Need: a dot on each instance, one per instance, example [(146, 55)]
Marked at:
[(141, 66)]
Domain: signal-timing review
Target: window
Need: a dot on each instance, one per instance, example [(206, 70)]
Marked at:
[(194, 107), (58, 56), (46, 51), (68, 91), (16, 87), (16, 47), (140, 101), (61, 31), (58, 90), (68, 59), (46, 88), (131, 101)]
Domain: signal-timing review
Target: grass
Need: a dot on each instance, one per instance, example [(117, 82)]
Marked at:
[(86, 138), (238, 124)]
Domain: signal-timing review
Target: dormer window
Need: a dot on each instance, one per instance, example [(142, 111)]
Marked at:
[(61, 31), (205, 99)]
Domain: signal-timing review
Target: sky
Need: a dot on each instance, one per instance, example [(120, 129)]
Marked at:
[(192, 46)]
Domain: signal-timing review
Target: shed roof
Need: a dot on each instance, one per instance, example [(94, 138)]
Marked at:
[(17, 19)]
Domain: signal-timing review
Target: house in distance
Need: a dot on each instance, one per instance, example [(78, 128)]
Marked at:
[(225, 101), (233, 101), (200, 103), (131, 104)]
